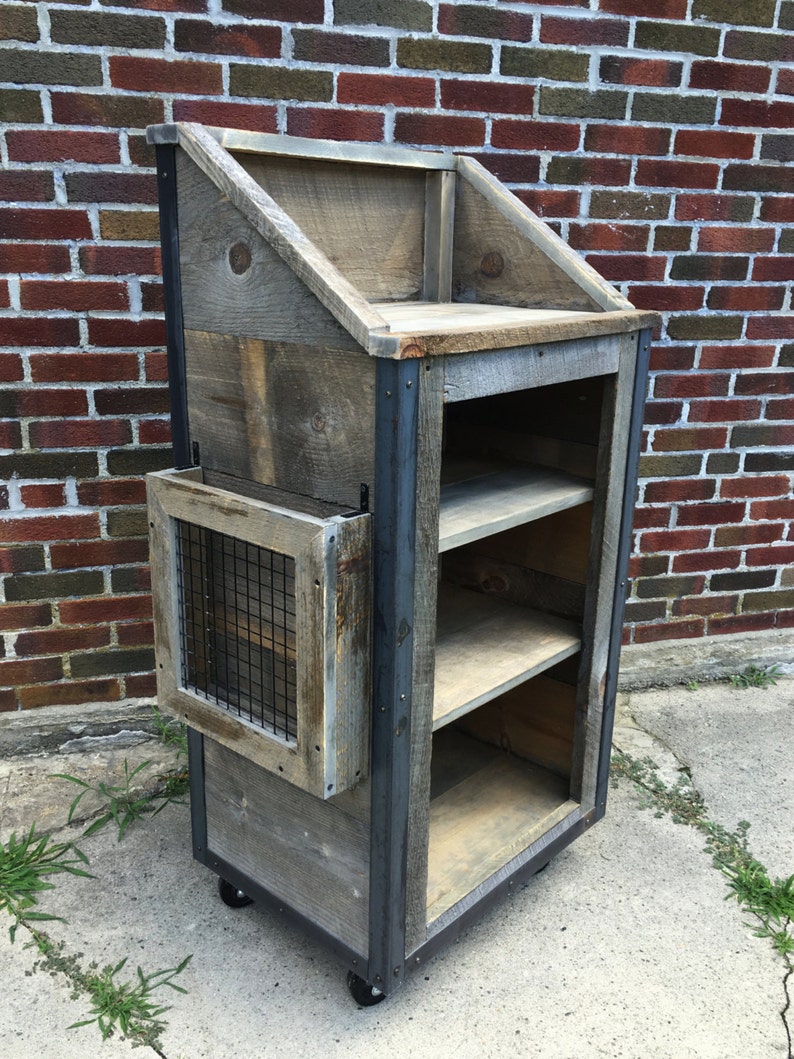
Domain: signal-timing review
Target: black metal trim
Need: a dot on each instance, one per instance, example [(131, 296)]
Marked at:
[(354, 960), (172, 292), (198, 801), (622, 563), (394, 554)]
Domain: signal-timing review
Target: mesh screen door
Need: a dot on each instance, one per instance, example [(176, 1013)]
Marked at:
[(262, 621)]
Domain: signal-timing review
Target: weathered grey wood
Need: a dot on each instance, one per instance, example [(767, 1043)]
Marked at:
[(571, 457), (439, 231), (471, 375), (291, 416), (483, 571), (429, 434), (306, 851), (233, 281), (446, 317), (537, 265), (313, 268), (487, 819), (367, 220), (485, 647), (486, 504), (270, 495)]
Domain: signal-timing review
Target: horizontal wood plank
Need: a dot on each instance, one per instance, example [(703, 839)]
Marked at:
[(477, 504), (485, 646)]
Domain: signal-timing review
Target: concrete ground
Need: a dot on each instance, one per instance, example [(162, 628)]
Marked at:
[(624, 947)]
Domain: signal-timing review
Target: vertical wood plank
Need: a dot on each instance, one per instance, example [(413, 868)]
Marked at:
[(439, 232)]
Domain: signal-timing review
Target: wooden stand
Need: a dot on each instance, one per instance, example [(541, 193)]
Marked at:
[(387, 370)]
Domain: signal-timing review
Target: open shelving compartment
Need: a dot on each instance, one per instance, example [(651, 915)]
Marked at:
[(389, 338)]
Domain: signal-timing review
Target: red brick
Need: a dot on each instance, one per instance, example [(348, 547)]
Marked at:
[(779, 555), (40, 496), (10, 438), (771, 485), (333, 124), (672, 358), (628, 266), (69, 693), (511, 168), (693, 562), (133, 400), (113, 111), (770, 327), (184, 77), (737, 356), (11, 368), (679, 490), (25, 615), (5, 297), (106, 331), (675, 540), (27, 186), (79, 555), (773, 509), (662, 173), (675, 9), (236, 39), (666, 297), (713, 208), (535, 135), (40, 224), (120, 260), (35, 257), (729, 410), (80, 433), (625, 70), (705, 143), (83, 367), (726, 77), (780, 409), (278, 10), (735, 240), (750, 299), (690, 439), (627, 140), (136, 634), (54, 145), (738, 536), (674, 630), (49, 528), (757, 113), (15, 671), (250, 116), (651, 518), (141, 685), (156, 367), (111, 493), (658, 412), (382, 89), (590, 32), (716, 513), (704, 605), (154, 431), (439, 129), (551, 203), (597, 236), (58, 641), (493, 97), (38, 402), (106, 609), (30, 331), (778, 267), (741, 623), (73, 295)]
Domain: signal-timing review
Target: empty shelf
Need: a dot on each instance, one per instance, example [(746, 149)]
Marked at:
[(485, 646), (477, 502), (443, 317)]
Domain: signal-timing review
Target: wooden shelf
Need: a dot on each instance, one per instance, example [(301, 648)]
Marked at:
[(477, 500), (486, 807), (446, 317), (485, 646)]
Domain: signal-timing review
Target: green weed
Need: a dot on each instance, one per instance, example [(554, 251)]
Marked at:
[(754, 677)]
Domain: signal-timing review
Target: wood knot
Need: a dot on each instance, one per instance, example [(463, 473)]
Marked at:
[(239, 259), (319, 421), (492, 264)]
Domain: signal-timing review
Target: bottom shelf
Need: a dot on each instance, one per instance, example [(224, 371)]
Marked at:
[(486, 807)]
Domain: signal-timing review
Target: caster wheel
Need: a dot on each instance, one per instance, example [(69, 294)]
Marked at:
[(231, 896), (364, 994)]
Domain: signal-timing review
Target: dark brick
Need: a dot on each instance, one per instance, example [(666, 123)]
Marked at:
[(668, 587), (54, 585), (689, 110), (27, 186), (551, 64), (134, 401), (49, 465), (19, 107), (522, 168), (629, 205), (317, 46), (100, 663), (476, 20), (19, 22), (672, 237), (588, 171), (106, 28), (137, 461), (130, 579), (649, 565), (742, 579), (769, 461), (238, 40), (111, 187), (89, 108), (722, 463), (754, 177), (129, 521), (647, 611), (782, 599), (786, 15), (756, 435), (399, 14), (691, 207), (654, 73), (703, 328), (759, 47), (27, 559), (582, 103), (757, 13), (277, 10), (455, 56), (670, 466), (665, 36), (275, 82), (51, 68), (727, 77), (711, 267)]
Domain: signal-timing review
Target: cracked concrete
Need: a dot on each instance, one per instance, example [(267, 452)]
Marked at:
[(624, 947)]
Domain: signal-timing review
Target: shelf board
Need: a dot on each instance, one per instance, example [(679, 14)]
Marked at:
[(485, 646), (477, 502), (446, 317), (489, 810)]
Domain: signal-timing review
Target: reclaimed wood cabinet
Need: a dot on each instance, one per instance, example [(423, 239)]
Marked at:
[(389, 565)]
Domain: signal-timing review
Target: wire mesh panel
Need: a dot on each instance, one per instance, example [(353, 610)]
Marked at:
[(237, 627)]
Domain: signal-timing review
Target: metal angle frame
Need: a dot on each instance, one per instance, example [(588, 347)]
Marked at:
[(394, 554)]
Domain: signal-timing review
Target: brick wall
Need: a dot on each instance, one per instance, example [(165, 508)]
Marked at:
[(654, 136)]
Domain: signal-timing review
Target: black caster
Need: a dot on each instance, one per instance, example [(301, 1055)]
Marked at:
[(231, 896), (364, 994)]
